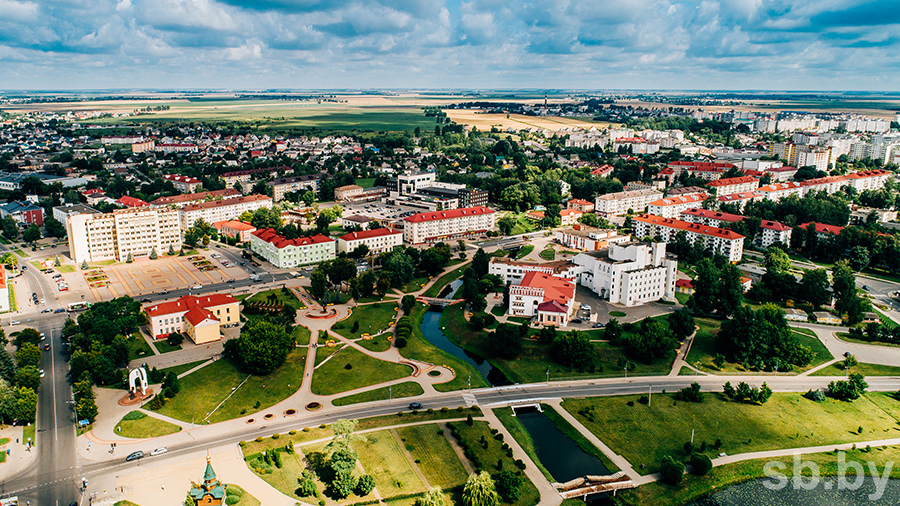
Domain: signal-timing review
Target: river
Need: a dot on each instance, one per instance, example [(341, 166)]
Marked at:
[(431, 323)]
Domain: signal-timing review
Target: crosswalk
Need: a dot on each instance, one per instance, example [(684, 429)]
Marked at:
[(470, 400)]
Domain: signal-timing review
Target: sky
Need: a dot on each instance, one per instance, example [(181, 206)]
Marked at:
[(477, 44)]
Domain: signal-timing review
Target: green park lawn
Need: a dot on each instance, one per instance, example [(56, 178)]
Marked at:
[(301, 335), (548, 254), (844, 336), (284, 479), (372, 318), (377, 343), (418, 348), (682, 298), (139, 425), (617, 314), (244, 498), (524, 251), (645, 434), (436, 458), (703, 349), (163, 346), (523, 224), (435, 289), (4, 440), (383, 458), (182, 368), (406, 389), (365, 182), (334, 376), (286, 299), (414, 285), (28, 434), (837, 369), (138, 347), (206, 388)]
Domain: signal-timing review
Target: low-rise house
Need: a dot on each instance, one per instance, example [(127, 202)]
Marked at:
[(795, 315), (826, 318), (200, 317), (284, 253), (377, 241)]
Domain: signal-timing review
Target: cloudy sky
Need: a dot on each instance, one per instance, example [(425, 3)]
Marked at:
[(593, 44)]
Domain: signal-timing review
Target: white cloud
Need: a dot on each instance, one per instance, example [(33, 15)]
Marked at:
[(18, 11)]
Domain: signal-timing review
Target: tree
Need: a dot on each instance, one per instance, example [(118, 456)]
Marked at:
[(10, 260), (762, 339), (9, 408), (480, 491), (701, 464), (28, 355), (28, 335), (506, 341), (506, 224), (153, 255), (7, 366), (672, 470), (308, 198), (365, 485), (10, 228), (339, 270), (651, 342), (408, 302), (814, 287), (844, 285), (508, 485), (613, 331), (859, 258), (850, 389), (54, 228), (777, 259), (434, 497), (318, 283), (261, 348), (681, 323), (480, 263), (574, 350), (26, 405), (31, 234), (29, 377), (399, 267), (717, 287), (343, 484), (433, 260)]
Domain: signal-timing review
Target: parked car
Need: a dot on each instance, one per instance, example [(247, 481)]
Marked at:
[(576, 320), (415, 405), (42, 373), (47, 347), (145, 300), (60, 310), (197, 287), (159, 451), (46, 310), (866, 287), (134, 456), (15, 322), (597, 325)]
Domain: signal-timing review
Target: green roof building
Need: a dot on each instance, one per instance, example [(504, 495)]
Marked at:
[(212, 491)]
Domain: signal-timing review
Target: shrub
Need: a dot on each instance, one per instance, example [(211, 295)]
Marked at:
[(259, 439), (306, 429), (508, 485), (157, 403), (292, 432), (701, 464), (276, 435), (469, 420), (816, 395), (672, 470), (307, 487), (690, 394), (688, 448), (365, 485)]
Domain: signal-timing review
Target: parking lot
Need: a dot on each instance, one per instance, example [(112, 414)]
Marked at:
[(145, 276), (380, 211)]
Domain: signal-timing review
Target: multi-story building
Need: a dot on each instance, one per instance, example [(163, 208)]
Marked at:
[(827, 184), (725, 242), (62, 213), (177, 148), (143, 146), (708, 171), (350, 193), (136, 232), (584, 238), (732, 185), (569, 217), (772, 232), (709, 218), (671, 207), (615, 204), (444, 225), (23, 211), (547, 297), (283, 253), (740, 199), (222, 210), (129, 201), (580, 205), (778, 191), (243, 177), (200, 317), (818, 157), (685, 191), (282, 186), (410, 182), (377, 241), (868, 179), (345, 193), (234, 228), (630, 273), (184, 184), (823, 230), (185, 199), (781, 174), (512, 271)]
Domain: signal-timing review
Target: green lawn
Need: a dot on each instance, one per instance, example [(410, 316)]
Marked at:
[(837, 369), (203, 390), (65, 269), (178, 369), (682, 298), (414, 284), (163, 346), (284, 479), (844, 336), (524, 251), (703, 349), (523, 224), (4, 440), (138, 347), (28, 434), (365, 182), (301, 334), (643, 435), (436, 458), (12, 300), (418, 348), (372, 318), (406, 389), (548, 254), (284, 298), (377, 343), (435, 289), (21, 253), (617, 314), (383, 458), (138, 425), (335, 376), (244, 498)]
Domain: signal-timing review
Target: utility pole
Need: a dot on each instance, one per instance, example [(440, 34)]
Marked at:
[(649, 394)]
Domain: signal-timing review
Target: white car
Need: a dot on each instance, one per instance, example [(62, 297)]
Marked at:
[(42, 373), (159, 451), (43, 336), (197, 287), (15, 322)]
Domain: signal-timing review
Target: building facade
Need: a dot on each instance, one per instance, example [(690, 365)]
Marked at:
[(221, 210), (282, 186), (721, 241), (136, 232), (629, 273), (615, 204), (196, 198), (184, 184), (445, 225), (235, 228), (284, 253), (200, 317), (528, 298), (378, 240), (584, 238), (512, 271), (671, 207), (731, 185)]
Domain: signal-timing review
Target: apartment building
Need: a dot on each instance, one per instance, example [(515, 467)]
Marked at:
[(200, 317), (725, 242), (741, 199), (580, 205), (512, 271), (445, 225), (781, 174), (282, 186), (629, 273), (615, 204), (778, 191), (283, 253), (221, 210), (868, 179), (234, 228), (569, 217), (584, 238), (708, 171), (769, 233), (62, 213), (123, 232), (178, 201), (378, 240), (184, 184), (244, 177), (547, 297), (827, 184), (823, 230), (346, 193), (671, 207), (23, 211), (732, 185)]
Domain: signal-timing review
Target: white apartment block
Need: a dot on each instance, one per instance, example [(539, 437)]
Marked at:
[(638, 145), (820, 158), (512, 271), (629, 273), (282, 186), (136, 231), (778, 191), (222, 210), (284, 253), (740, 199), (615, 204), (725, 242), (445, 225), (732, 185), (584, 238), (671, 207), (771, 232), (184, 184), (868, 179), (828, 184), (412, 182), (378, 240)]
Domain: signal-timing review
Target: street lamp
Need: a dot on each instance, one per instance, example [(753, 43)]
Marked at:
[(75, 406)]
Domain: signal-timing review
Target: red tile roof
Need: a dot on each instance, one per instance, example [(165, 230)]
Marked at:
[(581, 202), (181, 179), (783, 169), (271, 236), (867, 173), (684, 283), (367, 234), (197, 315), (681, 199), (566, 212), (688, 227), (191, 197), (731, 181), (774, 225), (131, 202), (702, 166), (558, 289), (823, 180), (738, 196), (188, 302), (779, 187), (603, 169), (234, 225), (552, 306), (715, 215), (822, 228), (446, 215)]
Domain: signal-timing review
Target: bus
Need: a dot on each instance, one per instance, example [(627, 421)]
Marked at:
[(78, 306)]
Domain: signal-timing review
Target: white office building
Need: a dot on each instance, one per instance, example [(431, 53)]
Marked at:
[(629, 274)]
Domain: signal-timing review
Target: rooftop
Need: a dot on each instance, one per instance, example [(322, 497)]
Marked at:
[(682, 199), (272, 237), (558, 289), (368, 234), (731, 181), (191, 197), (713, 215), (689, 227), (226, 202), (446, 215)]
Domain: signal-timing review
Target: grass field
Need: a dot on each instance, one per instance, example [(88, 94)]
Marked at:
[(138, 347), (548, 254), (335, 376), (138, 425), (301, 335), (178, 369), (643, 435), (372, 318), (837, 369), (365, 182), (287, 299), (203, 390), (244, 498), (435, 289), (28, 434), (703, 349), (406, 389), (524, 251), (434, 455), (163, 346), (418, 348), (377, 343), (383, 458), (415, 284), (284, 479), (4, 440)]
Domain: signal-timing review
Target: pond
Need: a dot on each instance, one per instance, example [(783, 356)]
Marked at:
[(561, 456), (827, 493), (431, 329)]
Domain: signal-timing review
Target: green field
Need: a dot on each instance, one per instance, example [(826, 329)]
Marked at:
[(138, 347), (383, 458), (244, 498), (163, 346), (365, 182), (837, 369), (284, 479), (406, 389), (182, 368), (643, 435), (301, 335), (335, 376), (284, 298), (435, 289), (372, 318), (434, 455), (524, 251), (548, 254), (378, 343), (138, 425)]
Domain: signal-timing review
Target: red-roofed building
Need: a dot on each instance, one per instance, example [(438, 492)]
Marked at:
[(200, 317), (132, 202), (732, 185), (709, 171), (535, 215), (602, 171), (685, 286), (284, 253), (581, 205), (778, 191), (725, 242), (781, 174), (378, 240), (196, 198), (668, 174), (670, 207), (771, 232), (823, 230), (184, 184), (569, 217), (741, 199), (868, 179), (827, 184), (536, 290), (234, 228), (446, 225)]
